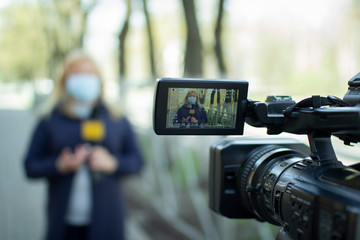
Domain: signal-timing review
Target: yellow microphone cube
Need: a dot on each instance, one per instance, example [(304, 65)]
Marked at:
[(92, 130)]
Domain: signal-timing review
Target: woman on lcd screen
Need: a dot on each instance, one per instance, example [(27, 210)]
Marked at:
[(190, 114)]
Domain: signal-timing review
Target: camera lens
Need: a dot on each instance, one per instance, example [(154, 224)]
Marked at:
[(258, 176)]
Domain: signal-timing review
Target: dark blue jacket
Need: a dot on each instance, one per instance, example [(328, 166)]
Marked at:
[(58, 131), (193, 111)]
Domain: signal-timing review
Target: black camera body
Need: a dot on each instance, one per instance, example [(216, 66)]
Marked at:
[(273, 180), (306, 190)]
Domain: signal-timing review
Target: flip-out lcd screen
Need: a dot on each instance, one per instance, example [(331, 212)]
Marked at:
[(199, 106)]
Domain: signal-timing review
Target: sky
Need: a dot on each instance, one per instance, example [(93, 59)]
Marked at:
[(4, 3)]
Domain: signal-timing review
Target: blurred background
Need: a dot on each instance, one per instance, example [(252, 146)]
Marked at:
[(296, 48)]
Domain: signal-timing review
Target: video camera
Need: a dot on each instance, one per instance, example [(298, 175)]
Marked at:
[(306, 190)]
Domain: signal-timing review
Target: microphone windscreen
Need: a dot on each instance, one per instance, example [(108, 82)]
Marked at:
[(92, 131)]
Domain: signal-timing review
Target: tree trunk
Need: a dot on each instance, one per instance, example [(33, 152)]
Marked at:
[(64, 26), (150, 41), (193, 54), (122, 41), (218, 43)]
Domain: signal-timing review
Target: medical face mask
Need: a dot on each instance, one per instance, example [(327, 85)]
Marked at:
[(83, 87), (192, 100)]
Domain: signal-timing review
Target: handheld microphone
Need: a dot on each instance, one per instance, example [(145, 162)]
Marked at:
[(191, 114), (93, 133)]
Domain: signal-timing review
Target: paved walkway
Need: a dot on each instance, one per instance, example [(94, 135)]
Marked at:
[(21, 200)]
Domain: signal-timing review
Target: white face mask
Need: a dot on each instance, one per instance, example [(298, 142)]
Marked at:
[(84, 87)]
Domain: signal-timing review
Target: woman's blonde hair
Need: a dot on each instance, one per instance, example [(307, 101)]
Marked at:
[(59, 95)]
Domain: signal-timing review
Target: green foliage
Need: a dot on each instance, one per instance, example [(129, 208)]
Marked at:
[(35, 37), (217, 118), (186, 159), (275, 61), (24, 51)]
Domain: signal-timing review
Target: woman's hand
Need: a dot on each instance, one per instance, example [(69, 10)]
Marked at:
[(70, 162), (101, 160), (193, 120), (185, 120)]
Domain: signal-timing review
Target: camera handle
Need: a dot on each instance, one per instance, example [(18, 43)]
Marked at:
[(322, 151), (272, 114)]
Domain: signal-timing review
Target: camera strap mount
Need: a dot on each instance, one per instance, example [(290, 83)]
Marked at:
[(316, 101)]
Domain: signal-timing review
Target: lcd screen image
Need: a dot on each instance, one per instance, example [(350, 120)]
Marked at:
[(202, 108)]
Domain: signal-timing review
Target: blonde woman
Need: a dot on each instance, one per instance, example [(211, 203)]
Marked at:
[(84, 194), (190, 114)]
